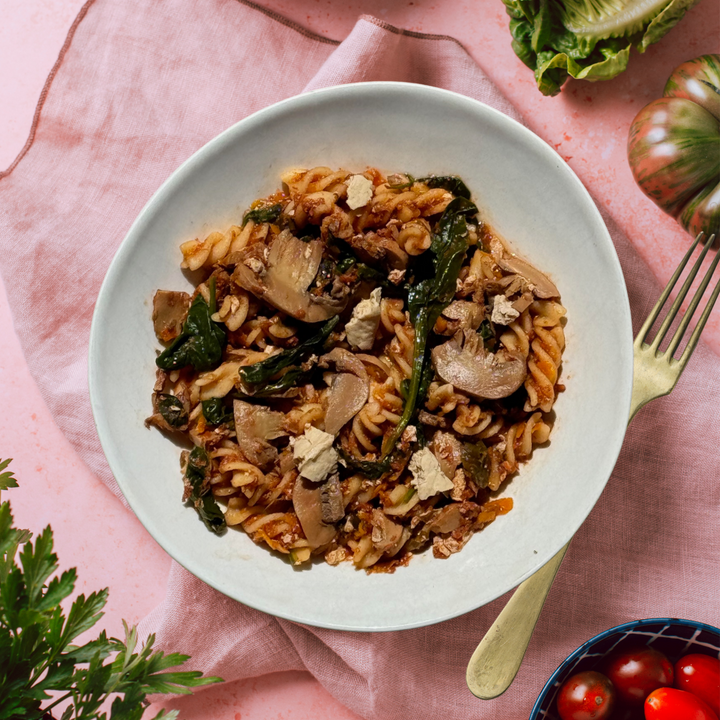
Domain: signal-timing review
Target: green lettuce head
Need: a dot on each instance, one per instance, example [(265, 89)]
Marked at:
[(586, 39)]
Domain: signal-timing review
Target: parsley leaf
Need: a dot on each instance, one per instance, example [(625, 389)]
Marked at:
[(36, 651)]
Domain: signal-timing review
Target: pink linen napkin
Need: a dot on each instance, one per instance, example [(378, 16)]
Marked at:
[(138, 88)]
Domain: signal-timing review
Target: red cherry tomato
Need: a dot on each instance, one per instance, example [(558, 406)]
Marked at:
[(586, 696), (637, 672), (700, 675), (672, 704)]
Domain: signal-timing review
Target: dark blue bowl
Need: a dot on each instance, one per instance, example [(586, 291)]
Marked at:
[(670, 636)]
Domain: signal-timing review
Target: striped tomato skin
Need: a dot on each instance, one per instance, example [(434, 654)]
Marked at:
[(674, 146)]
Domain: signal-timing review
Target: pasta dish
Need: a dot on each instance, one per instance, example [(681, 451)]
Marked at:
[(361, 367)]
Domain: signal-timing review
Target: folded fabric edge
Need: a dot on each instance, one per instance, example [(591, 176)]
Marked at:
[(71, 34), (288, 23), (408, 33)]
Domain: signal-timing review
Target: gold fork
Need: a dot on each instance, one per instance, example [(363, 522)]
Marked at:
[(497, 659)]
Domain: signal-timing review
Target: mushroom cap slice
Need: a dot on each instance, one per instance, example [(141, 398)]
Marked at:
[(470, 368), (308, 504), (347, 397), (291, 266), (349, 389), (254, 426), (541, 284), (170, 309), (470, 314), (448, 451)]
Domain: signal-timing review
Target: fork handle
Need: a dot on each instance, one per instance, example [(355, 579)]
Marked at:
[(497, 659)]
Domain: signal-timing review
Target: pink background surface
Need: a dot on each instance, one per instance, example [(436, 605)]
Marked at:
[(587, 124)]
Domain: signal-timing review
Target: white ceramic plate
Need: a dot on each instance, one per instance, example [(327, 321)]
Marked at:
[(526, 192)]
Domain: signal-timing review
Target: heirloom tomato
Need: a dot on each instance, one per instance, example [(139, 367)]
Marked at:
[(672, 704), (636, 672), (700, 675), (586, 695), (674, 146)]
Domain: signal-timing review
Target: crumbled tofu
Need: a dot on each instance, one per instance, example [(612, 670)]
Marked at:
[(363, 324), (428, 477), (409, 434), (503, 313), (359, 191), (314, 454), (396, 276)]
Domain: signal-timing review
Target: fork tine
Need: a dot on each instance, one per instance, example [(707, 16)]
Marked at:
[(680, 296), (650, 320), (677, 338)]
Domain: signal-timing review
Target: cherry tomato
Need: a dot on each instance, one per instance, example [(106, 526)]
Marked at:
[(672, 704), (586, 696), (700, 675), (635, 673)]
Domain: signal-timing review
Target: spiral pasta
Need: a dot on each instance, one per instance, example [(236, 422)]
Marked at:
[(345, 393)]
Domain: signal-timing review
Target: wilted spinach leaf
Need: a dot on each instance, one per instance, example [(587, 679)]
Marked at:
[(262, 371), (269, 213), (172, 410), (348, 259), (369, 468), (201, 341), (451, 183), (294, 376), (201, 498), (428, 297), (475, 462), (216, 412)]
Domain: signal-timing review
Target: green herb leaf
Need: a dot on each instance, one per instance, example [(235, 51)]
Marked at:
[(172, 410), (201, 341), (264, 370), (266, 214), (36, 654), (216, 412), (7, 479), (196, 473)]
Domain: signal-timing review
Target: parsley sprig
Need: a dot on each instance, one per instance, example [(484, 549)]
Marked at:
[(41, 668)]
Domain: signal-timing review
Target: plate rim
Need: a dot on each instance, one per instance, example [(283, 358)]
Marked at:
[(176, 178)]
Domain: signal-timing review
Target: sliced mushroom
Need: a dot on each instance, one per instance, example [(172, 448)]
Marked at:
[(470, 368), (344, 361), (291, 266), (349, 389), (448, 451), (170, 309), (448, 519), (331, 500), (460, 315), (523, 302), (373, 248), (386, 534), (254, 426), (539, 283), (308, 504), (347, 397)]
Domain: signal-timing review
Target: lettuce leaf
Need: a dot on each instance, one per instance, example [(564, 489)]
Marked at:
[(585, 39)]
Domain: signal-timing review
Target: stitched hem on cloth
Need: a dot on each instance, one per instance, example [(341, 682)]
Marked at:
[(410, 33), (248, 3), (68, 41)]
